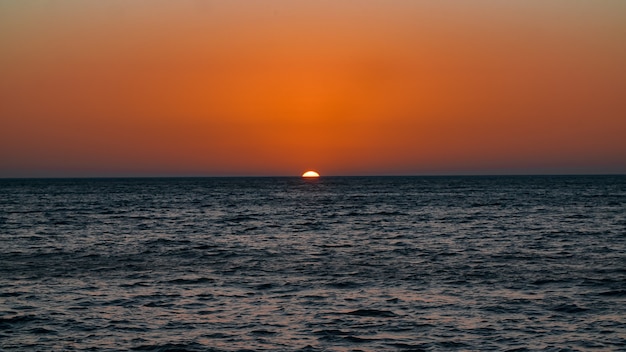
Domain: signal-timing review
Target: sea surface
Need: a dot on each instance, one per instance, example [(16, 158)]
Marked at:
[(526, 263)]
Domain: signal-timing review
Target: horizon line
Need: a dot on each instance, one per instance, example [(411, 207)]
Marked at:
[(299, 176)]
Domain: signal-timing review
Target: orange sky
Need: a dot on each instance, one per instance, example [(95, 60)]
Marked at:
[(234, 87)]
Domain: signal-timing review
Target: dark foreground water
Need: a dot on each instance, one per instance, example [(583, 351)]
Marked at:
[(335, 264)]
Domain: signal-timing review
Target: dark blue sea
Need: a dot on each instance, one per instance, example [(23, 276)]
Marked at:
[(525, 263)]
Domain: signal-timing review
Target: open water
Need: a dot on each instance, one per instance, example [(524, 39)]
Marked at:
[(335, 264)]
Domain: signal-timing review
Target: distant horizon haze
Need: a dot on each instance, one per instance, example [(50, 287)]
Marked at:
[(191, 176)]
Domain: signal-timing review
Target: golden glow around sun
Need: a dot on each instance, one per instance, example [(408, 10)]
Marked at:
[(310, 174)]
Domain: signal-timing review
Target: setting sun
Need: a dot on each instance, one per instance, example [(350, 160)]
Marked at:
[(310, 174)]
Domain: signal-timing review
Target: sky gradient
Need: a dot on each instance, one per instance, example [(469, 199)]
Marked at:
[(243, 88)]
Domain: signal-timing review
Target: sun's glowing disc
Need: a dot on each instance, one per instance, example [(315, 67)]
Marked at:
[(310, 174)]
